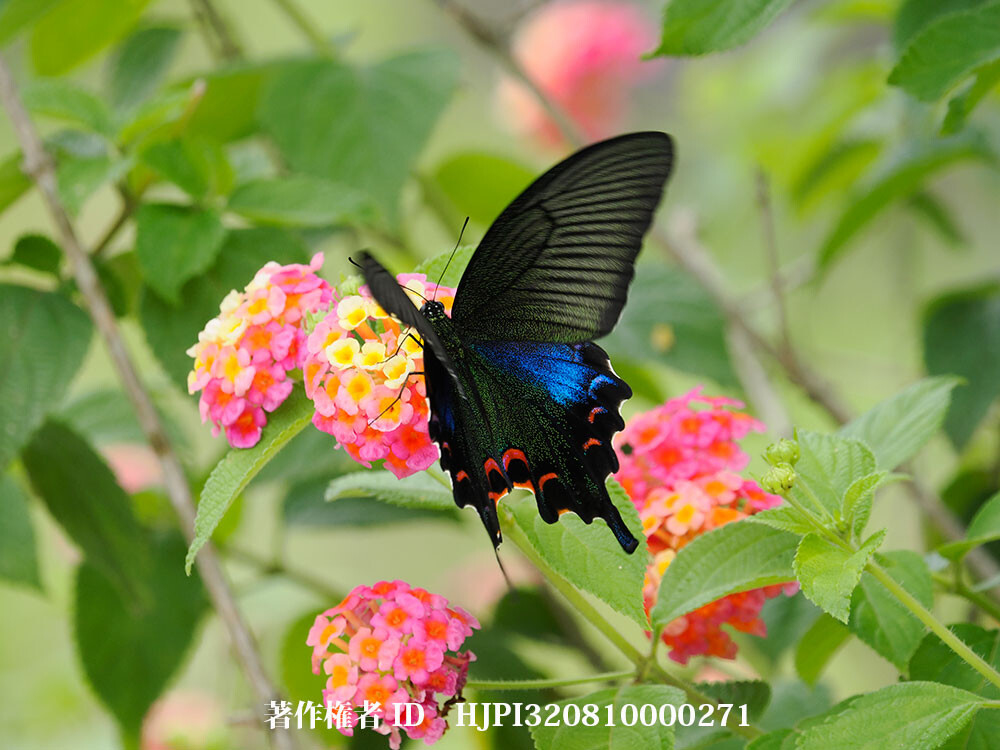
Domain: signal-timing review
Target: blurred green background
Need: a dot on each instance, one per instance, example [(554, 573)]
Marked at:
[(803, 108)]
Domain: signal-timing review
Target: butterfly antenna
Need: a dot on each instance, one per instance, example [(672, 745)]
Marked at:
[(503, 570), (416, 293), (460, 234)]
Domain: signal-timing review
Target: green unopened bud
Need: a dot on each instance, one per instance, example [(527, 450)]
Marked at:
[(782, 452), (779, 479)]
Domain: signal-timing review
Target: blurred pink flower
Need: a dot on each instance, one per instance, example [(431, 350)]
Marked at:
[(585, 56), (135, 466), (183, 720)]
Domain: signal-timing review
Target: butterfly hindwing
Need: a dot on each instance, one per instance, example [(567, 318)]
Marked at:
[(556, 264)]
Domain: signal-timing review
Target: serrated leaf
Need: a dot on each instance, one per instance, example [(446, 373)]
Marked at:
[(754, 694), (785, 518), (300, 201), (772, 740), (588, 555), (139, 64), (18, 556), (879, 619), (829, 465), (82, 495), (947, 50), (171, 330), (895, 429), (374, 121), (131, 650), (934, 661), (63, 100), (480, 185), (858, 500), (79, 30), (984, 527), (233, 473), (829, 573), (174, 244), (913, 16), (670, 319), (618, 736), (913, 714), (415, 491), (907, 171), (736, 557), (43, 339), (817, 646), (195, 165), (962, 337), (39, 252), (697, 27)]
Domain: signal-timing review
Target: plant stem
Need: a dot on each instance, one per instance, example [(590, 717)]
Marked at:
[(953, 642), (307, 26), (278, 568), (38, 165), (229, 47), (543, 684), (977, 599)]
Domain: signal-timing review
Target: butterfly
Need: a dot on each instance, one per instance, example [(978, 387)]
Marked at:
[(520, 396)]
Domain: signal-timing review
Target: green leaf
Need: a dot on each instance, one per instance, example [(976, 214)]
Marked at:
[(16, 14), (962, 337), (947, 50), (736, 557), (433, 268), (985, 527), (18, 557), (195, 165), (305, 505), (817, 646), (362, 127), (670, 319), (895, 429), (829, 573), (588, 556), (66, 101), (13, 182), (938, 216), (913, 714), (37, 251), (879, 619), (834, 171), (131, 650), (233, 473), (43, 339), (174, 244), (617, 736), (140, 63), (82, 495), (829, 465), (859, 498), (773, 740), (415, 491), (754, 694), (171, 330), (78, 30), (785, 518), (227, 110), (903, 176), (481, 185), (914, 16), (299, 201), (934, 661), (79, 179), (697, 27), (785, 618), (962, 104)]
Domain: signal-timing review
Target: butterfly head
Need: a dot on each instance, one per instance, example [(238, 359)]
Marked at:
[(433, 310)]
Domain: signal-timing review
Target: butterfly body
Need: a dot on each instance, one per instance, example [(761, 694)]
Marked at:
[(519, 394)]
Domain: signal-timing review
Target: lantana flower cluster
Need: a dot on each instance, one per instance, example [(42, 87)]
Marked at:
[(244, 355), (586, 55), (389, 644), (679, 465), (358, 367)]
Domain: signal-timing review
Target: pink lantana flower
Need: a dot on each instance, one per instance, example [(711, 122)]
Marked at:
[(389, 644), (678, 465)]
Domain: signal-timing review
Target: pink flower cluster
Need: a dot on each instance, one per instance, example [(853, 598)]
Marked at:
[(388, 644), (243, 356), (359, 368), (679, 464), (584, 55)]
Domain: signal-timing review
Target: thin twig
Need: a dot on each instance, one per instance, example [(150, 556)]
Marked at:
[(771, 245), (229, 46), (124, 214), (307, 26), (38, 165)]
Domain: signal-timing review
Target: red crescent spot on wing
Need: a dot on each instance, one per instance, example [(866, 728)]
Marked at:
[(590, 443), (491, 464), (546, 477), (525, 485), (563, 510), (514, 454), (594, 412), (495, 496), (461, 475)]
